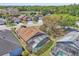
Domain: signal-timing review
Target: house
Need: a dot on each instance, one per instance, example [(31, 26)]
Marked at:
[(9, 45), (0, 11), (16, 20), (67, 45), (70, 29), (38, 17), (23, 17), (4, 11), (30, 22), (77, 23), (13, 11), (38, 20), (34, 38), (2, 21), (10, 11)]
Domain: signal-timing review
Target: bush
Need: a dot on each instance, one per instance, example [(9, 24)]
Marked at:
[(25, 53)]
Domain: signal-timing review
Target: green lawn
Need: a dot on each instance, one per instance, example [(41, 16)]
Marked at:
[(65, 15)]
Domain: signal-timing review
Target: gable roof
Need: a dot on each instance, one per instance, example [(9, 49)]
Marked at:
[(27, 33)]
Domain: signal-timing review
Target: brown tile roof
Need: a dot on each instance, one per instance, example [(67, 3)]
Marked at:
[(27, 33)]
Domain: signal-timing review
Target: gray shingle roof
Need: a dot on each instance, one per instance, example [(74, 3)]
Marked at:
[(7, 42), (69, 49), (70, 37), (2, 21)]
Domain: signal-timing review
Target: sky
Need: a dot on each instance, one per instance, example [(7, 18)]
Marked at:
[(37, 2), (33, 4)]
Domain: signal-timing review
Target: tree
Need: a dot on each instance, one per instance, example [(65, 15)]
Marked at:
[(50, 26)]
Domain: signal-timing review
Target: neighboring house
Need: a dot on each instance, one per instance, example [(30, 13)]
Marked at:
[(16, 20), (39, 20), (2, 21), (30, 22), (9, 45), (35, 39), (68, 45), (23, 17), (4, 11), (13, 11), (0, 11), (10, 11), (38, 17), (70, 29), (77, 23)]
